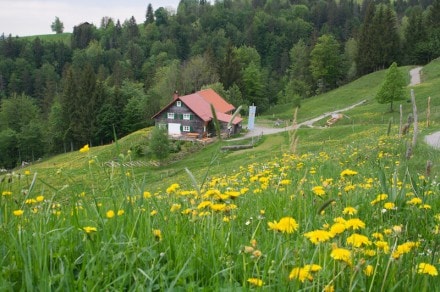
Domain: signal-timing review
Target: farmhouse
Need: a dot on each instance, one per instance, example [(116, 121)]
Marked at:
[(191, 115)]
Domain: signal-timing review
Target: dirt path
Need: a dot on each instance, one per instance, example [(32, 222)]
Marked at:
[(259, 130)]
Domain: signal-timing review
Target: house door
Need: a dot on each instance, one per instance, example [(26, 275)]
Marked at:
[(173, 129)]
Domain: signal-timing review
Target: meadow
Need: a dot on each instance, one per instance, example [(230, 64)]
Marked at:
[(343, 210)]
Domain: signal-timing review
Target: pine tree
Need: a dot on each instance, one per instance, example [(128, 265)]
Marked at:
[(149, 16)]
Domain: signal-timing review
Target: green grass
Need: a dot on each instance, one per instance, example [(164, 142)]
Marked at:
[(219, 224), (63, 37)]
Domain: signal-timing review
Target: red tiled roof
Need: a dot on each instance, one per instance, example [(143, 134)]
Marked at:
[(217, 101)]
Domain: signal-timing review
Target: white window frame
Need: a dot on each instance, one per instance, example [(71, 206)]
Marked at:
[(186, 129), (178, 103), (170, 116), (187, 117)]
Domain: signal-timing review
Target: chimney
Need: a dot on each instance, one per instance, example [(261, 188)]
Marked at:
[(175, 95)]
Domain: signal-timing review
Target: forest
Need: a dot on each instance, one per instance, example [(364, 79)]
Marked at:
[(108, 81)]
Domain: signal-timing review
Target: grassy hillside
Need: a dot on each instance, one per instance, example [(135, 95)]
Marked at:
[(346, 211), (64, 37)]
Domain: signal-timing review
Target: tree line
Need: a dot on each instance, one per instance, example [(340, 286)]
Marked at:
[(110, 79)]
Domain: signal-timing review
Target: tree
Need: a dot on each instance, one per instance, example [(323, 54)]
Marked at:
[(57, 26), (159, 143), (325, 63), (392, 88), (149, 16)]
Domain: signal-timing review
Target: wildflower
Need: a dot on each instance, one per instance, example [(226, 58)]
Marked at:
[(404, 248), (257, 253), (6, 193), (329, 288), (84, 149), (369, 270), (425, 268), (348, 172), (383, 245), (256, 282), (286, 225), (357, 240), (120, 212), (18, 212), (218, 207), (39, 198), (349, 187), (389, 206), (318, 236), (304, 273), (414, 201), (147, 195), (90, 229), (381, 197), (175, 207), (153, 212), (157, 234), (349, 211), (285, 182), (397, 229), (110, 214), (377, 235), (27, 172), (172, 188), (337, 228), (341, 254), (318, 190), (355, 223), (425, 206)]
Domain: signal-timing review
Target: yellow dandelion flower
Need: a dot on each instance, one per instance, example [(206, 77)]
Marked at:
[(147, 195), (404, 248), (84, 149), (377, 235), (355, 223), (425, 206), (349, 211), (383, 245), (379, 198), (369, 270), (337, 228), (286, 225), (175, 207), (414, 201), (157, 234), (255, 282), (120, 212), (6, 193), (204, 204), (348, 172), (389, 206), (358, 240), (318, 236), (318, 190), (39, 198), (27, 172), (218, 207), (341, 254), (428, 269), (329, 288), (300, 274), (90, 229), (18, 212), (110, 214)]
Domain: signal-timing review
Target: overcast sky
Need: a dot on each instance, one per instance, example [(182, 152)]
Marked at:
[(34, 17)]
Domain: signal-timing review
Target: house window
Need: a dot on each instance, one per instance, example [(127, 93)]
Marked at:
[(178, 103), (171, 115), (186, 129), (187, 116)]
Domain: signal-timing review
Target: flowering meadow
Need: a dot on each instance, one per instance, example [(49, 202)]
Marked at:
[(347, 219)]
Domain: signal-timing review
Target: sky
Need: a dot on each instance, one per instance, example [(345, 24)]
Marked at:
[(34, 17)]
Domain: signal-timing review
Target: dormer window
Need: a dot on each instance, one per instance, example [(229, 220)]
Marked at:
[(178, 103), (171, 116)]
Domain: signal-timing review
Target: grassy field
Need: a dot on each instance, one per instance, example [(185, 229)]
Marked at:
[(345, 211)]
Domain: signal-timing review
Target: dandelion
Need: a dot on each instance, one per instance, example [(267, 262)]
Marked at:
[(414, 201), (304, 273), (18, 212), (175, 207), (355, 223), (255, 282), (90, 229), (153, 212), (6, 193), (349, 211), (318, 236), (337, 228), (27, 172), (120, 212), (428, 269), (110, 214), (368, 271), (341, 254), (357, 240), (404, 248), (286, 225), (383, 245), (84, 149), (389, 206), (381, 197), (146, 195), (348, 172), (39, 199), (157, 234), (318, 190)]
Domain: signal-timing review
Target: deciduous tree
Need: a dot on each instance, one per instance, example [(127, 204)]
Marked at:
[(392, 88)]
